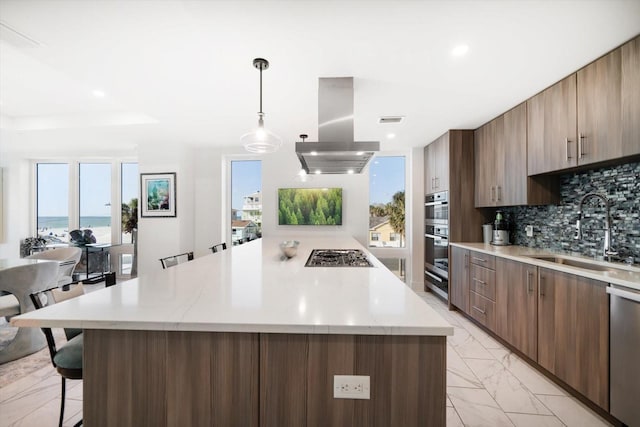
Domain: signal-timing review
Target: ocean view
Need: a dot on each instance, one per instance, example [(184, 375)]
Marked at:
[(62, 222)]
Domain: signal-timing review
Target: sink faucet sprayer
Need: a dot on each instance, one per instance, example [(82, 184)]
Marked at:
[(607, 223)]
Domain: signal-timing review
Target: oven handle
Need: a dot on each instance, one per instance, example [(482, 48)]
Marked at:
[(433, 276), (433, 236), (633, 296), (439, 203)]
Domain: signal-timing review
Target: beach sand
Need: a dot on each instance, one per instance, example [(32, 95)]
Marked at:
[(102, 234)]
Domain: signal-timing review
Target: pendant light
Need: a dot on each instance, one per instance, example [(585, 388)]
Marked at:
[(261, 140)]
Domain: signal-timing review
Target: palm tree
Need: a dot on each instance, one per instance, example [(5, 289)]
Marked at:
[(396, 214)]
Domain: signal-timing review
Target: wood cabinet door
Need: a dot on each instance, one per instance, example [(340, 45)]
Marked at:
[(489, 157), (631, 97), (429, 172), (573, 332), (441, 165), (512, 183), (551, 128), (459, 278), (599, 109), (516, 305)]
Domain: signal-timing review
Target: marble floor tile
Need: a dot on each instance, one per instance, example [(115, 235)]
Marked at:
[(477, 408), (449, 404), (22, 384), (25, 402), (484, 338), (536, 382), (571, 412), (467, 346), (458, 373), (505, 388), (48, 414), (528, 420), (453, 419)]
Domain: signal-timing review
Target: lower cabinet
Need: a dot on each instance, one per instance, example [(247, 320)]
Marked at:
[(459, 278), (517, 305), (573, 332), (557, 319)]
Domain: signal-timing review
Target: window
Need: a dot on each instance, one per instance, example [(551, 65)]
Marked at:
[(52, 210), (246, 187), (386, 201), (95, 200), (78, 195)]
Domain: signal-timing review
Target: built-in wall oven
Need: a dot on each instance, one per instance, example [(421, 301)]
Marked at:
[(436, 243)]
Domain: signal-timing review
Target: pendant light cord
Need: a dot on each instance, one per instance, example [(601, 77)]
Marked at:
[(261, 91)]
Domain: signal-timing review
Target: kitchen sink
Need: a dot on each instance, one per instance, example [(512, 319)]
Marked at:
[(575, 263)]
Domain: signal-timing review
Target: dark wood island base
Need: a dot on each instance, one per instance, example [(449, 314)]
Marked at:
[(168, 378)]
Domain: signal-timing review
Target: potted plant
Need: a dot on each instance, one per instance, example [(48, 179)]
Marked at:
[(130, 225)]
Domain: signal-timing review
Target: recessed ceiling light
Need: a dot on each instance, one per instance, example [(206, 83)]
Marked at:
[(314, 153), (318, 171), (460, 50), (350, 171), (360, 153), (98, 93), (391, 135)]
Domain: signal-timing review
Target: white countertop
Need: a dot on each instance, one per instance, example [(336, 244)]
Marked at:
[(624, 275), (248, 288)]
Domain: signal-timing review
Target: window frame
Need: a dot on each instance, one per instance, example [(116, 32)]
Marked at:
[(227, 205)]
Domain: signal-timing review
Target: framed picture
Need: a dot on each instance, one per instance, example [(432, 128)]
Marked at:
[(158, 197)]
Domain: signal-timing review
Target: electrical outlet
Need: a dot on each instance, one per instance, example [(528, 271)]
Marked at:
[(351, 386), (529, 230)]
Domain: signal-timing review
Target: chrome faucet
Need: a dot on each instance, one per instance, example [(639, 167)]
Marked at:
[(607, 251)]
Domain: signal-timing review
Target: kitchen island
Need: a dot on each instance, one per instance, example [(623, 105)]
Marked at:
[(242, 337)]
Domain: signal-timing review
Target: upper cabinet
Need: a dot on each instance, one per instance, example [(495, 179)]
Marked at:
[(600, 109), (501, 164), (552, 137), (589, 117), (436, 163)]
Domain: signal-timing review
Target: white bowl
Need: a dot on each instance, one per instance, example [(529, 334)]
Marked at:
[(289, 248)]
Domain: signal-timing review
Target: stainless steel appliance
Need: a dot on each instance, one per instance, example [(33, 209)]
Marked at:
[(500, 230), (338, 258), (436, 243), (624, 354)]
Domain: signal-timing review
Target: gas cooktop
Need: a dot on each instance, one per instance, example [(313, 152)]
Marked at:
[(338, 258)]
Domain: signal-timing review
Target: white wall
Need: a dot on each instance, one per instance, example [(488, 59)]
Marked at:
[(417, 211)]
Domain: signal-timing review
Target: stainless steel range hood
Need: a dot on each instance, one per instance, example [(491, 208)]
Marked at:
[(336, 152)]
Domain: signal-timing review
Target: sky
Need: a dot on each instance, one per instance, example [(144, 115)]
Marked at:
[(386, 177), (95, 188)]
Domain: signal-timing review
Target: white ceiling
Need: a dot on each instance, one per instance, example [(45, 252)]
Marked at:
[(179, 71)]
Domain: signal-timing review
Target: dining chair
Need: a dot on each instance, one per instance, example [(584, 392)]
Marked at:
[(218, 247), (68, 259), (170, 261), (66, 358)]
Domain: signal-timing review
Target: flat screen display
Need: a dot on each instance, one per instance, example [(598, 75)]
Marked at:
[(310, 206)]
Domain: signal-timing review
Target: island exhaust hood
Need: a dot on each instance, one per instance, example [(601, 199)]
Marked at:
[(336, 152)]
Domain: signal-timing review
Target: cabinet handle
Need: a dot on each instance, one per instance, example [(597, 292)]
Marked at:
[(493, 191), (499, 193), (479, 281), (566, 141), (437, 182), (541, 287), (581, 152), (479, 259), (529, 288), (466, 261), (479, 309)]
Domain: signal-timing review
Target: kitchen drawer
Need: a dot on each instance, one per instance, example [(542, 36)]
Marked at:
[(479, 258), (483, 281), (483, 310)]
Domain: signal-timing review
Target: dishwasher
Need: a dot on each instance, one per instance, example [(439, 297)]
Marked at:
[(624, 354)]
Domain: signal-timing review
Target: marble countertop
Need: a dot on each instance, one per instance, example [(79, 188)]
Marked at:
[(619, 274), (249, 288)]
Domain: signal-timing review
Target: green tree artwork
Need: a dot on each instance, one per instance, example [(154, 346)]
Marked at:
[(310, 206)]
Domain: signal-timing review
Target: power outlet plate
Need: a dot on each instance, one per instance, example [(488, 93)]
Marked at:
[(529, 230), (351, 386)]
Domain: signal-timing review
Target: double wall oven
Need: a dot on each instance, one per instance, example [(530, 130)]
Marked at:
[(436, 243)]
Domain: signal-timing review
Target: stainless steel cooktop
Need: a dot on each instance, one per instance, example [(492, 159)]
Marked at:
[(338, 258)]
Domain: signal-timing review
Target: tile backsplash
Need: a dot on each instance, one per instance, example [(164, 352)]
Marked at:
[(554, 225)]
